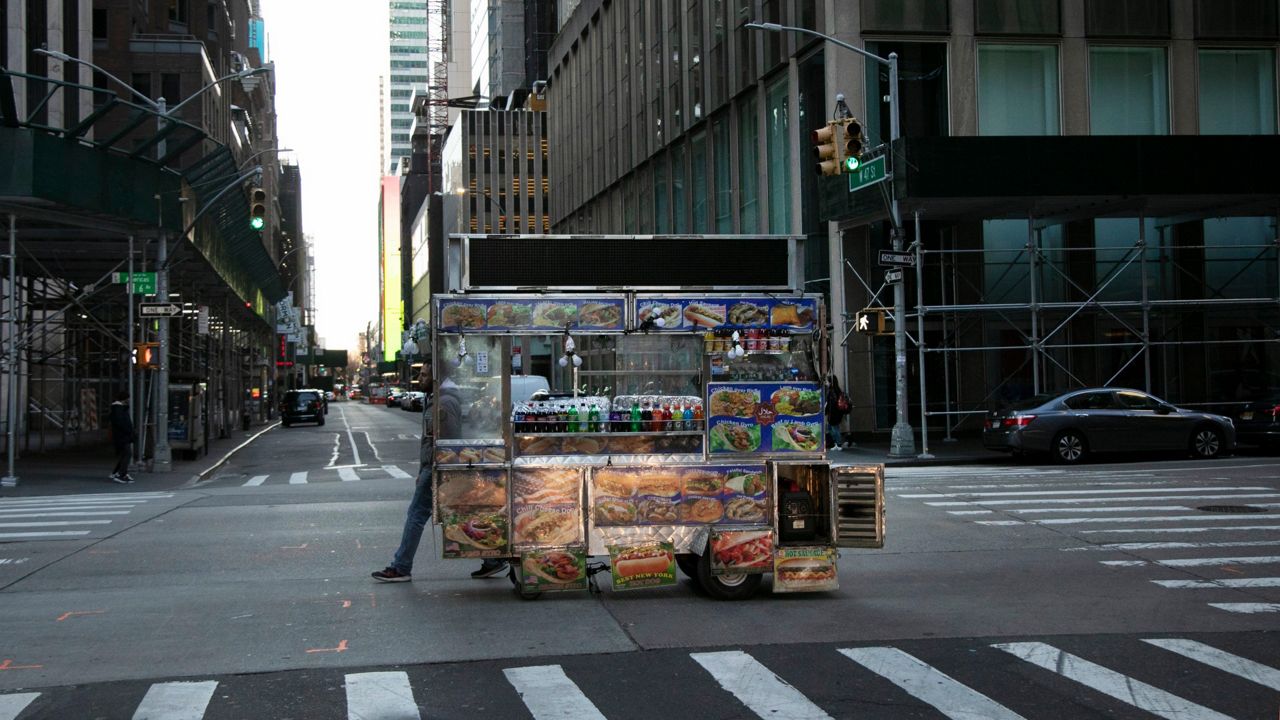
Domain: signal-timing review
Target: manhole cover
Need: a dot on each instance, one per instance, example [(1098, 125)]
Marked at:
[(1231, 508)]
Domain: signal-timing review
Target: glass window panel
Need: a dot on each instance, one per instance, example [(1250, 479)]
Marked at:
[(723, 177), (1115, 241), (479, 393), (1237, 92), (661, 200), (1126, 18), (1018, 90), (698, 176), (679, 199), (1128, 91), (906, 16), (1018, 17), (748, 167), (1007, 267), (779, 166), (1240, 257), (922, 90), (1236, 19)]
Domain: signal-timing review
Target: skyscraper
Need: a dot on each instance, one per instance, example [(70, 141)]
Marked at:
[(408, 72)]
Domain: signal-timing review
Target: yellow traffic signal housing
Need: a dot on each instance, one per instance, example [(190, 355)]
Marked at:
[(884, 325), (851, 145), (826, 148), (145, 355), (873, 321), (258, 209)]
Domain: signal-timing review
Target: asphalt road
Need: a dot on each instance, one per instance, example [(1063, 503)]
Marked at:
[(1117, 590)]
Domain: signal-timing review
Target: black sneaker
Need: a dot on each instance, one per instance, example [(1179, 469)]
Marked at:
[(128, 478), (391, 575), (120, 479), (489, 569)]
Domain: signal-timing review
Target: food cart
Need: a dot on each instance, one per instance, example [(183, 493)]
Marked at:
[(683, 430)]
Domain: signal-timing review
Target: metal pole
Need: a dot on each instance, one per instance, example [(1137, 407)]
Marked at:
[(924, 409), (902, 442), (164, 456), (129, 365), (10, 479), (1033, 255), (946, 335), (1146, 303)]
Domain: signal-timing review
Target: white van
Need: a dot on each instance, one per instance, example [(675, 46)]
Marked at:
[(523, 387)]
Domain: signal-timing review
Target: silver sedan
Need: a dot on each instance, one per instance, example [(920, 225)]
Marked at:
[(1071, 426)]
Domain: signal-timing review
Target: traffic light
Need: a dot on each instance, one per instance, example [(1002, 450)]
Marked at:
[(852, 145), (873, 321), (144, 355), (826, 148), (258, 209)]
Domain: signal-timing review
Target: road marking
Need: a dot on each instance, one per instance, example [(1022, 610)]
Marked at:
[(255, 481), (56, 533), (107, 497), (1084, 492), (1205, 562), (176, 701), (348, 474), (985, 503), (548, 693), (376, 455), (1224, 661), (12, 705), (397, 473), (757, 687), (928, 685), (1247, 608), (18, 516), (337, 446), (1181, 529), (1127, 508), (1071, 521), (380, 696), (1121, 687), (1175, 545), (78, 613), (56, 523), (355, 451), (1266, 582), (298, 478), (342, 647)]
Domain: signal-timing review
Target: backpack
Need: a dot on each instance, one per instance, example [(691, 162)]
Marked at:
[(842, 402)]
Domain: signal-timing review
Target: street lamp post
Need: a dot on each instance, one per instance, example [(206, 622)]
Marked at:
[(163, 459), (902, 441)]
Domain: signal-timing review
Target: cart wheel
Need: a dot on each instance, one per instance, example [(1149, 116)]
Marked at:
[(688, 564), (517, 580), (725, 587)]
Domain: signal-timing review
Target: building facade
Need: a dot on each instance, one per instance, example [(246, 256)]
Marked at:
[(408, 73), (1066, 238)]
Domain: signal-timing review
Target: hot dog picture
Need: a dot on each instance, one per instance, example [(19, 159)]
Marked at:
[(746, 551), (643, 565), (804, 573), (537, 525), (670, 314), (704, 315)]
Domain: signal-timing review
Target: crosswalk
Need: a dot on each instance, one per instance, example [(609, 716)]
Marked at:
[(341, 473), (1187, 536), (68, 517), (739, 684)]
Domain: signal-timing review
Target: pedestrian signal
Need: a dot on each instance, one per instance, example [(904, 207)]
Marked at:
[(145, 355)]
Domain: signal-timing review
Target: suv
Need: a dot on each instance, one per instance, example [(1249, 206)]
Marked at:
[(302, 406)]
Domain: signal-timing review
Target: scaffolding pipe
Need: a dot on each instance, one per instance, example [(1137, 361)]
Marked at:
[(924, 408), (10, 479), (132, 346), (1033, 257), (1146, 303)]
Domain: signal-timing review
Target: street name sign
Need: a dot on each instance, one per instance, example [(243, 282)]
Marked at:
[(870, 173), (159, 309), (893, 258), (144, 283)]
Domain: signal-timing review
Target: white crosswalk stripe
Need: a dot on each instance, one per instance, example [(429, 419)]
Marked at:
[(1265, 582), (397, 473), (549, 694), (12, 705), (1119, 686), (34, 518), (298, 478), (348, 474), (1225, 661), (176, 701), (343, 473), (1248, 608), (256, 480), (929, 684), (380, 696), (757, 687)]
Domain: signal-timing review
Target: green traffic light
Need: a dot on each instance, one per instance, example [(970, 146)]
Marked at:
[(851, 164), (256, 223)]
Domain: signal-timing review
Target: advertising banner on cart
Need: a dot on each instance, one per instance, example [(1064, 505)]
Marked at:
[(741, 551), (804, 569), (751, 417), (684, 314), (530, 314), (648, 564), (678, 495), (473, 512), (554, 569)]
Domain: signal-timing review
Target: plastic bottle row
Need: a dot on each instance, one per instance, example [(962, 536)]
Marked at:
[(625, 413)]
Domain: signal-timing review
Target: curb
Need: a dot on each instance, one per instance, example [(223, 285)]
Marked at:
[(197, 479)]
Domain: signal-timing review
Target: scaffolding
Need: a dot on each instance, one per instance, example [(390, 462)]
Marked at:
[(1163, 310)]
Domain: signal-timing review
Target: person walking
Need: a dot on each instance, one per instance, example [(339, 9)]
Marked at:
[(121, 437), (837, 409)]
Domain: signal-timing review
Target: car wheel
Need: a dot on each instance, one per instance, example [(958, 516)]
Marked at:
[(1206, 442), (1069, 447), (725, 587)]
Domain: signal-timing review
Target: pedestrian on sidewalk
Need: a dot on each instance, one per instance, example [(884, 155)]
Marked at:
[(121, 438), (837, 408)]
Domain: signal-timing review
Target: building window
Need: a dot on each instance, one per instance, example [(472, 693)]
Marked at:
[(1117, 264), (723, 176), (178, 12), (916, 16), (171, 88), (1018, 90), (698, 182), (679, 199), (1128, 91), (1007, 270), (141, 83), (748, 167), (1236, 19), (1018, 17), (1239, 257), (1237, 92), (745, 50), (1126, 18), (100, 23), (661, 200), (923, 98), (779, 149)]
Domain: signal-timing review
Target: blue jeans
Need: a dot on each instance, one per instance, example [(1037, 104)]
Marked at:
[(415, 520), (833, 435)]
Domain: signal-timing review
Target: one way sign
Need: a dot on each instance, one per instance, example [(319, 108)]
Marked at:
[(891, 258), (159, 309)]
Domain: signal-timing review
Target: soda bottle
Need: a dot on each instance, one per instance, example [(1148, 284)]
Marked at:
[(688, 418), (697, 416), (646, 417), (571, 425), (635, 415), (666, 418)]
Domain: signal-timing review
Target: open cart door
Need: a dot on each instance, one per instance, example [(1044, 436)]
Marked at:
[(858, 500)]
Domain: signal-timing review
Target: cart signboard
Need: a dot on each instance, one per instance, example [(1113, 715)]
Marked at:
[(735, 552), (681, 314), (553, 569), (641, 565), (473, 511), (747, 418), (531, 314), (804, 569)]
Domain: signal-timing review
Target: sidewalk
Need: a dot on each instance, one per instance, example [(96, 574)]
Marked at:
[(85, 470), (962, 451)]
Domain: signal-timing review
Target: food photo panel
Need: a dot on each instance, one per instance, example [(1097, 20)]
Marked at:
[(764, 417)]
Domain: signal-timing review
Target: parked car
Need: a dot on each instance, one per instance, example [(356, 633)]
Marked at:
[(412, 401), (1259, 422), (302, 406), (393, 397), (329, 396), (1074, 425)]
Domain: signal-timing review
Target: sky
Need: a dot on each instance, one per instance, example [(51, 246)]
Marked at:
[(328, 59)]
